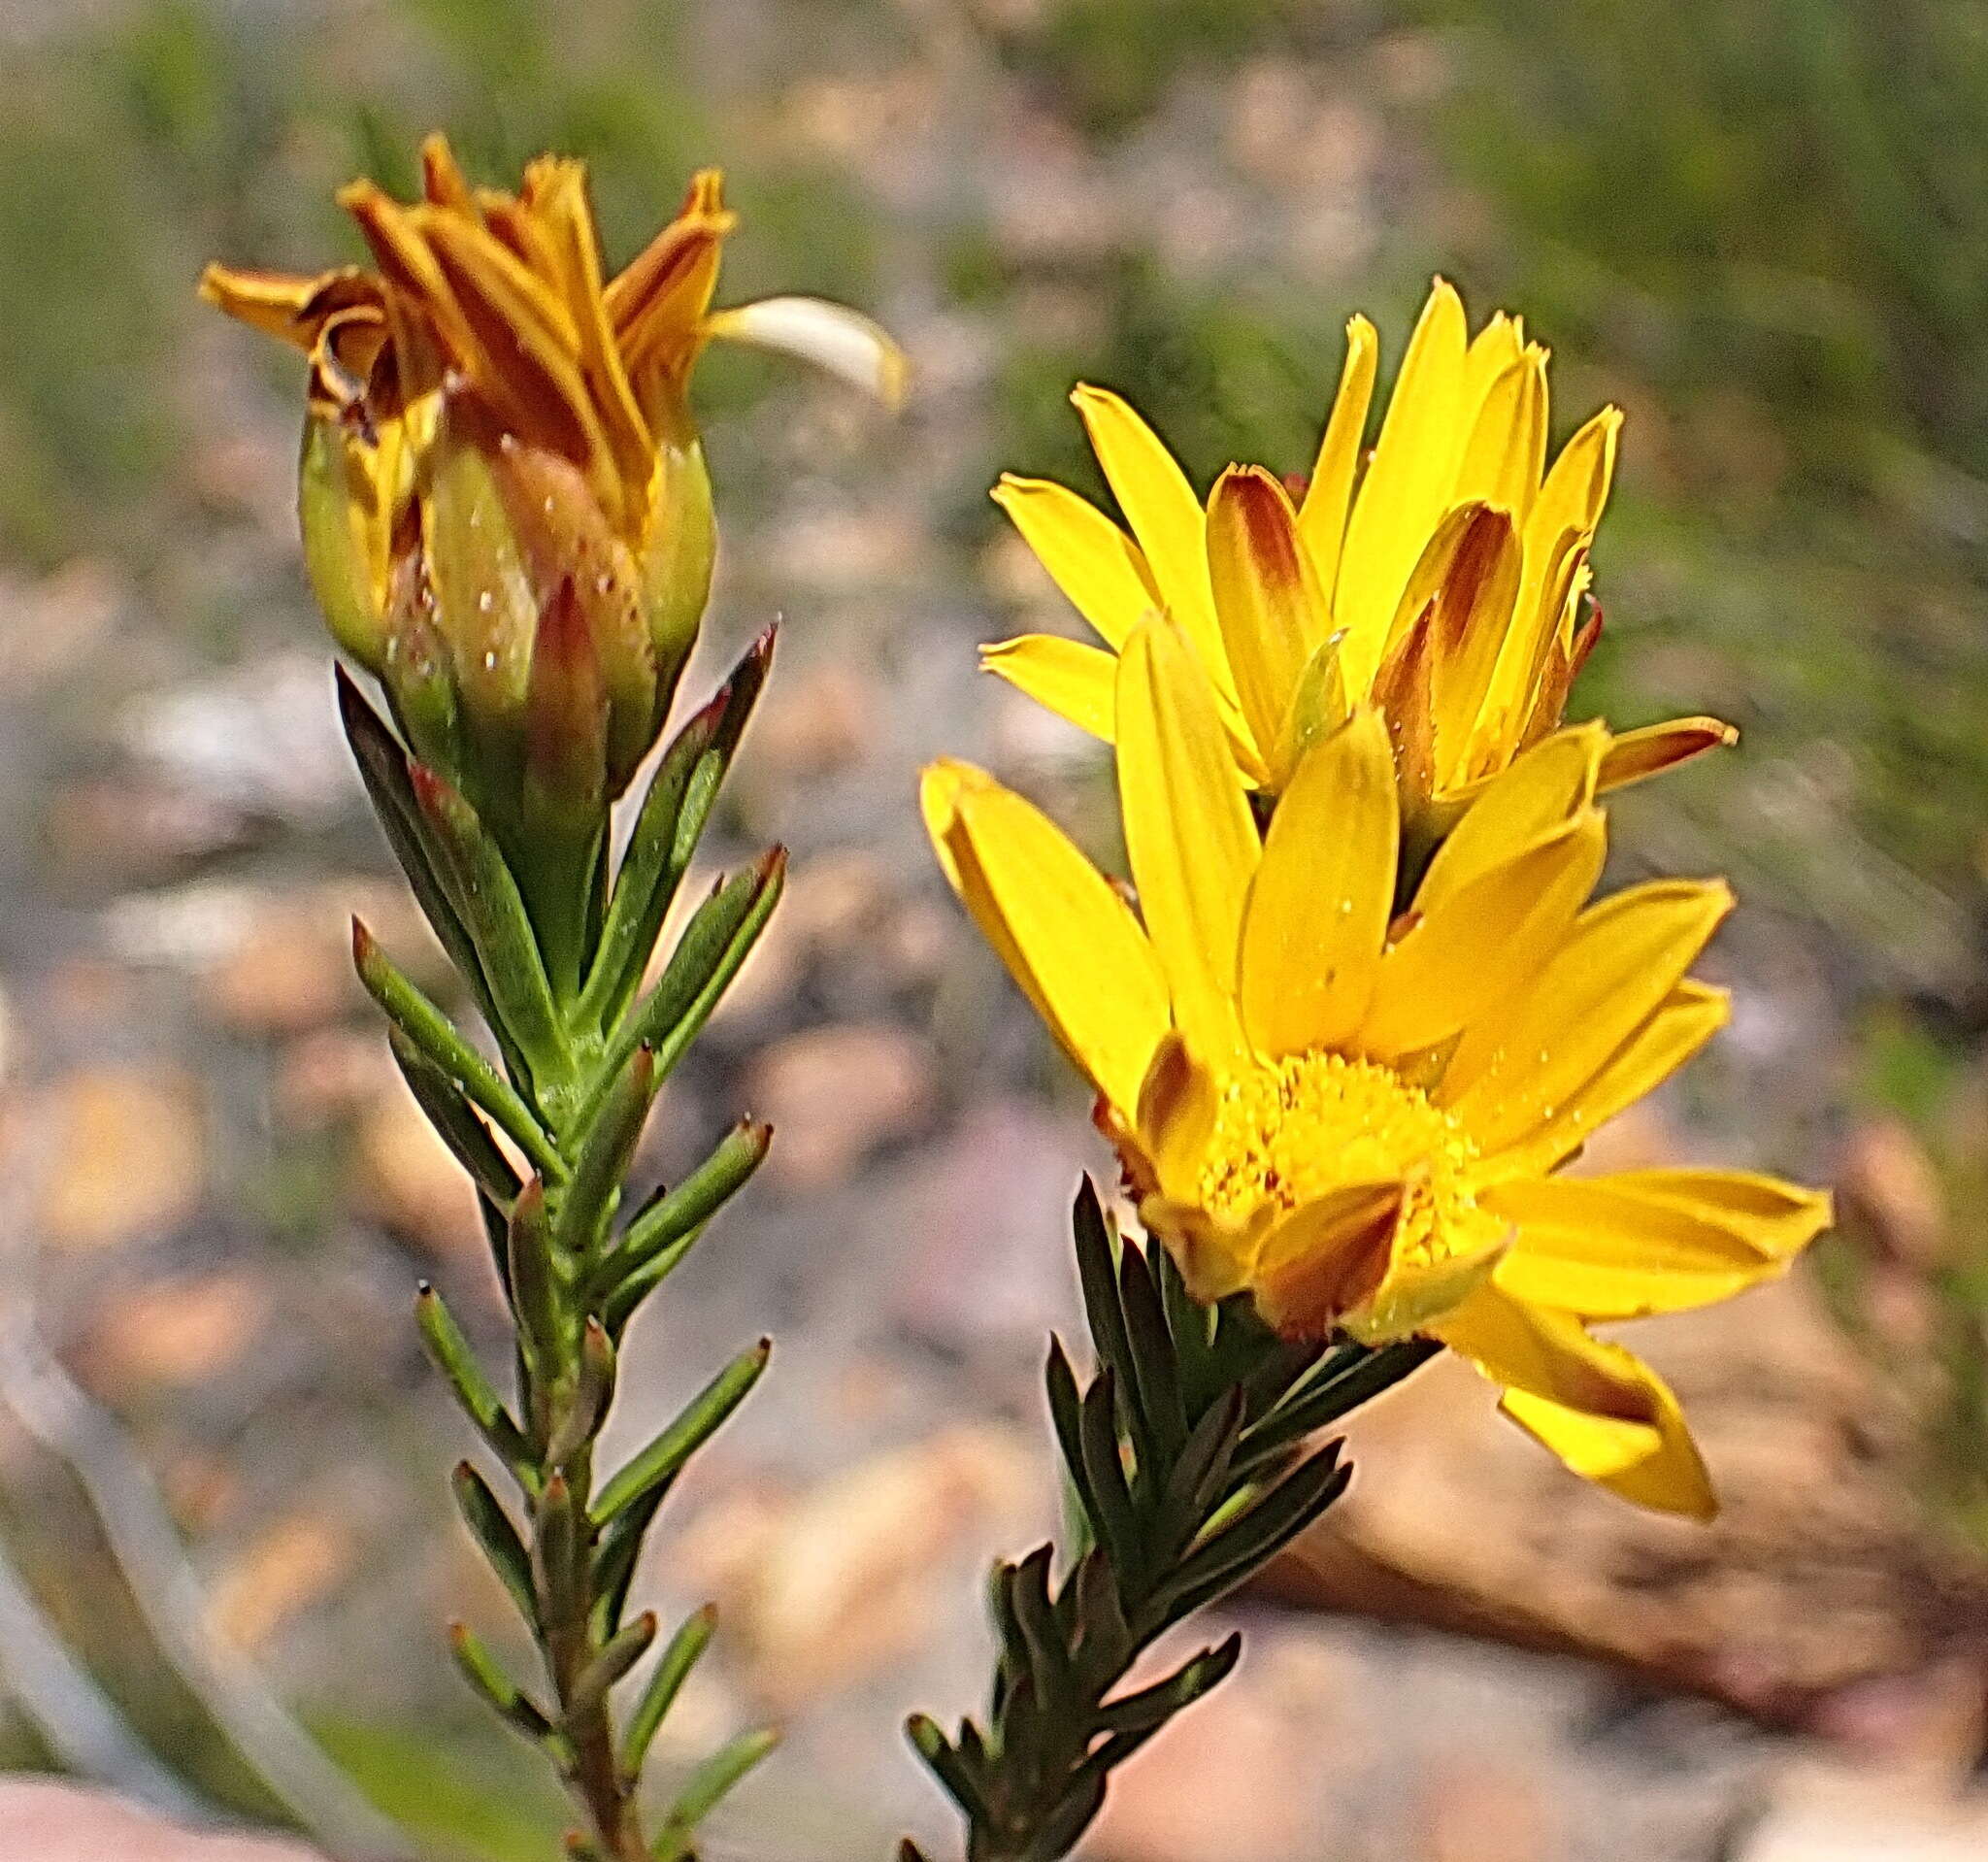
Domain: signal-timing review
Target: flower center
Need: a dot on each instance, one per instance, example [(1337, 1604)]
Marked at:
[(1296, 1130)]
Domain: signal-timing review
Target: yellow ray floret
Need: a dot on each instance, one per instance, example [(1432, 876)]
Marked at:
[(1443, 581), (1344, 1089)]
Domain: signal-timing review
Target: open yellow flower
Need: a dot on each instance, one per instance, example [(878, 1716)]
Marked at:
[(1445, 580), (1354, 1111), (505, 508)]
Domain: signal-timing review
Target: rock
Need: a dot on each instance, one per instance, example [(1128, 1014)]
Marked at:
[(832, 1585), (291, 1564), (1472, 1812), (260, 740), (176, 1333), (45, 1819), (332, 1074), (1837, 1813), (126, 1153), (835, 1094)]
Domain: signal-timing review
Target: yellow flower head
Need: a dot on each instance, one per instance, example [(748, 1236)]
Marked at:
[(1444, 582), (1350, 1103), (505, 508)]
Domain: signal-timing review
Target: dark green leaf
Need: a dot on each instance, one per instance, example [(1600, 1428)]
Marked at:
[(497, 1536), (672, 1217), (456, 1359), (444, 1046)]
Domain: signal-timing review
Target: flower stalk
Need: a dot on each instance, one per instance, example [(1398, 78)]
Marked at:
[(581, 1075)]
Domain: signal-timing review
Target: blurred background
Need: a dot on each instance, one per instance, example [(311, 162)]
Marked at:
[(225, 1548)]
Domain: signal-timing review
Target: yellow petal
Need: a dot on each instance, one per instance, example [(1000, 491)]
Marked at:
[(1604, 1411), (1066, 936), (1329, 497), (1094, 562), (1690, 1015), (1514, 1070), (1326, 1258), (1508, 445), (1319, 911), (283, 305), (1655, 747), (1473, 616), (841, 342), (1485, 940), (1605, 1248), (1407, 484), (1577, 489), (560, 201), (1545, 789), (1165, 516), (1188, 830), (1492, 351), (1778, 1220), (1267, 598), (1176, 1113), (1076, 681)]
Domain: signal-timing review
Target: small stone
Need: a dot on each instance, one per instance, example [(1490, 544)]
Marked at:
[(177, 1333), (295, 1562), (833, 1585), (818, 721), (127, 1153), (835, 1094)]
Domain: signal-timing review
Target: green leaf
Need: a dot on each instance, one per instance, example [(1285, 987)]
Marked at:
[(458, 1123), (665, 836), (1249, 1541), (440, 1041), (487, 1676), (622, 1651), (534, 1292), (494, 1532), (718, 940), (706, 1786), (947, 1765), (1349, 1381), (674, 1215), (592, 1391), (1195, 1481), (486, 898), (1098, 1272), (659, 1693), (1153, 1363), (558, 1552), (1117, 1523), (456, 1359), (383, 766), (615, 1553), (1151, 1708), (587, 1206), (663, 1459), (1066, 1413)]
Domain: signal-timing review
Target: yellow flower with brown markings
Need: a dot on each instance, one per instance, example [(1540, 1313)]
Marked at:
[(1443, 581), (1346, 1087), (505, 506)]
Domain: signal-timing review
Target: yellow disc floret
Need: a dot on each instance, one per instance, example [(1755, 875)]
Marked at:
[(1292, 1130)]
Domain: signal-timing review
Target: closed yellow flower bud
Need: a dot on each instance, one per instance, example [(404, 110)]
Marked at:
[(500, 464)]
